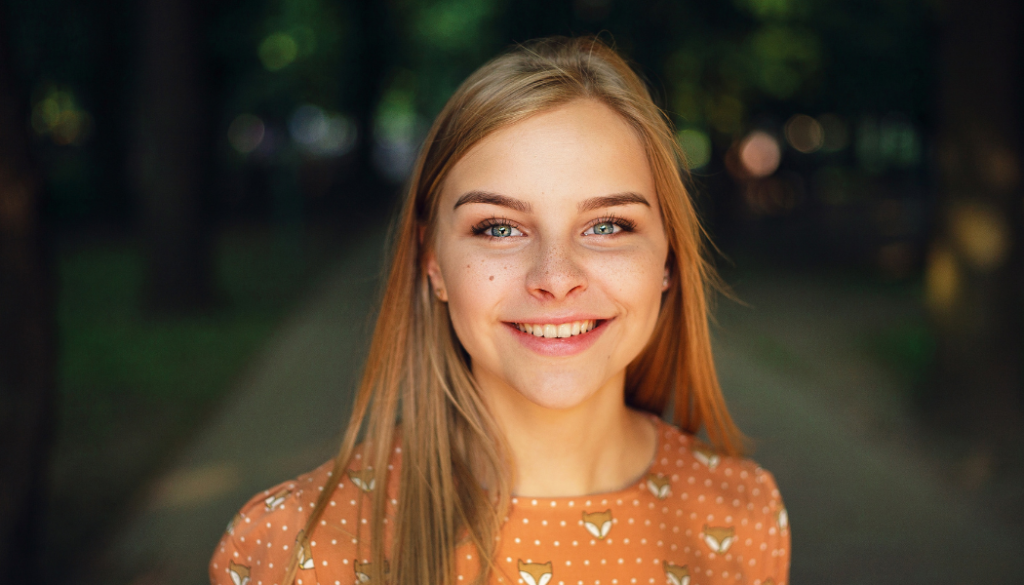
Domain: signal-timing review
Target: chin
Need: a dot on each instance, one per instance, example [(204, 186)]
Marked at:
[(557, 392)]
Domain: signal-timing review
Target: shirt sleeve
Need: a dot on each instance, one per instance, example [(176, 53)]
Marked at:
[(776, 555), (260, 539)]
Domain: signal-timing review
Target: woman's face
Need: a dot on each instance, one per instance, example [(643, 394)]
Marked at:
[(551, 253)]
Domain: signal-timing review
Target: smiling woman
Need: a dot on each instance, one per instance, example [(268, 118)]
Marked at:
[(545, 306)]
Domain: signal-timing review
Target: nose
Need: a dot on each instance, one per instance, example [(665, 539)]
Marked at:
[(556, 273)]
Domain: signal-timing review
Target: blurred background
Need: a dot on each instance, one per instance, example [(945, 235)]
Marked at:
[(193, 204)]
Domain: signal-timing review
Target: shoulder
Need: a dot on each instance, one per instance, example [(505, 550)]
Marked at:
[(737, 483), (731, 501), (261, 538)]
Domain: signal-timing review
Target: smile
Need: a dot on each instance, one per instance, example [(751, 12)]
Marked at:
[(561, 330), (559, 339)]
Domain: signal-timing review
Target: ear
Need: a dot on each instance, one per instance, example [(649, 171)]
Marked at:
[(434, 274), (667, 280)]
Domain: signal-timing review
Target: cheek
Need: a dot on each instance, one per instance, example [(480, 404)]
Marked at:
[(476, 288), (633, 279)]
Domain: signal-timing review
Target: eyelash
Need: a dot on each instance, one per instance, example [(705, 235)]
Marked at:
[(479, 229), (627, 225), (483, 226)]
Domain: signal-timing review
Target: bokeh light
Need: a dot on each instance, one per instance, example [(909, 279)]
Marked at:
[(804, 133), (696, 146), (889, 142), (942, 280), (759, 153), (982, 236), (278, 50), (321, 133), (246, 133), (397, 130), (58, 116)]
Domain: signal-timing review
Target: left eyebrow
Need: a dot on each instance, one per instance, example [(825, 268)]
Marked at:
[(613, 201)]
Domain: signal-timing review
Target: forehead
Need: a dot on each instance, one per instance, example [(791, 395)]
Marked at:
[(576, 151)]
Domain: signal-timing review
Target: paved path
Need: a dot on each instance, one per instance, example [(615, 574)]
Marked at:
[(869, 500), (872, 498), (284, 417)]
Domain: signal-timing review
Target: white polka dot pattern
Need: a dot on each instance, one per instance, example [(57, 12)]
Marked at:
[(696, 518)]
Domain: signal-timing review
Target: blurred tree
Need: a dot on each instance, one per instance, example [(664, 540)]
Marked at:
[(111, 99), (975, 275), (376, 49), (175, 154), (27, 357)]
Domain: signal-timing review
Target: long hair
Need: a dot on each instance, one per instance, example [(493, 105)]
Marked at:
[(416, 370)]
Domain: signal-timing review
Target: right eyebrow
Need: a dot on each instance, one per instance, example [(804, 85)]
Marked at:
[(493, 199)]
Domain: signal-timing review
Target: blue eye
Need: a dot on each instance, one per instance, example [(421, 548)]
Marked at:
[(605, 228), (497, 227), (502, 230)]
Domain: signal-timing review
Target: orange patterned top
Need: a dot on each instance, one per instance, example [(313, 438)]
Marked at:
[(695, 518)]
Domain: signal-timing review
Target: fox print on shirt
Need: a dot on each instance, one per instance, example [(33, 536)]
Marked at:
[(231, 525), (705, 455), (305, 552), (363, 571), (239, 573), (276, 499), (677, 575), (535, 573), (363, 479), (782, 518), (659, 485), (719, 538), (694, 517), (598, 524)]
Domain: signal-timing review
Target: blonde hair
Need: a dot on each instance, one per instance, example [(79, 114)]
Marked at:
[(416, 368)]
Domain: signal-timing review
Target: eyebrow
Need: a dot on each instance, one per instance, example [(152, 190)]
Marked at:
[(613, 201), (493, 199), (591, 204)]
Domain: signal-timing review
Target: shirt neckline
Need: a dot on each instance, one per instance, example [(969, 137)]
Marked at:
[(660, 428)]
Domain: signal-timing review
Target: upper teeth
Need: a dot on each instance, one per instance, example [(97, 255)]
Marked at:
[(552, 331)]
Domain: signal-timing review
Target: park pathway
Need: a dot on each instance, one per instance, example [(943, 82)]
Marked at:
[(872, 498)]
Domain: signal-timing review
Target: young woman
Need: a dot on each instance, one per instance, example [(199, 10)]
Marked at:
[(545, 306)]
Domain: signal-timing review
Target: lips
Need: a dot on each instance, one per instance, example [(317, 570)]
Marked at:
[(556, 345)]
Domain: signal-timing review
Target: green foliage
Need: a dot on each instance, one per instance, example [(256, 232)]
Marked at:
[(783, 59), (132, 386), (278, 50), (696, 146), (451, 26), (396, 118), (118, 361), (773, 9), (283, 53)]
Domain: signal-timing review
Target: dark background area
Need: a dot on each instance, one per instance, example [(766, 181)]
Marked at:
[(176, 176)]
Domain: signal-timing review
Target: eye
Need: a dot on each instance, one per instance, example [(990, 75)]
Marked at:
[(605, 228), (609, 226), (503, 230), (497, 228)]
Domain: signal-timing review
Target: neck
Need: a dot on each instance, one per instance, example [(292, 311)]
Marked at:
[(597, 446)]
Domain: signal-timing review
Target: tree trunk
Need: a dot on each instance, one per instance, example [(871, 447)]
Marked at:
[(976, 265), (376, 58), (175, 154), (27, 334)]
